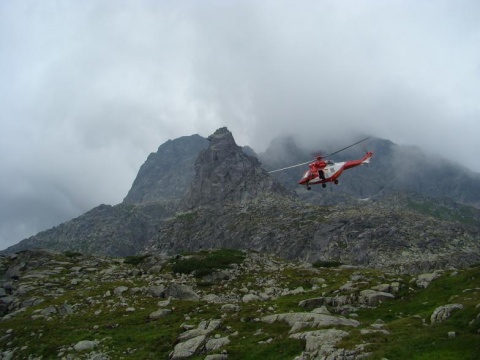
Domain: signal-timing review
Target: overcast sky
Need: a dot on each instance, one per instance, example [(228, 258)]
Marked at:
[(89, 88)]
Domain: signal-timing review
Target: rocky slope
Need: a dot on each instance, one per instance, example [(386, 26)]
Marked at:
[(393, 234), (230, 305)]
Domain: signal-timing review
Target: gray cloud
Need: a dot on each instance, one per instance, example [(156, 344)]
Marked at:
[(90, 88)]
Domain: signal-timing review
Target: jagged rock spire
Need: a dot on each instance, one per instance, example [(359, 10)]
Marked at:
[(223, 172)]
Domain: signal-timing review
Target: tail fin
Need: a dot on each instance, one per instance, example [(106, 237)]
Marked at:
[(366, 159)]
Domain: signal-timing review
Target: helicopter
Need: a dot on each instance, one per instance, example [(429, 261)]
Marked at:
[(323, 171)]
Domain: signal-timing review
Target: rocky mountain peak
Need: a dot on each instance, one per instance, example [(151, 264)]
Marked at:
[(222, 139), (223, 172), (166, 174)]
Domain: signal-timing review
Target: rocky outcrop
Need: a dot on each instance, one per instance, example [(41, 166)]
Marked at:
[(224, 173)]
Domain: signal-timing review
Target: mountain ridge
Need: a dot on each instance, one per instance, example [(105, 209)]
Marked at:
[(227, 199)]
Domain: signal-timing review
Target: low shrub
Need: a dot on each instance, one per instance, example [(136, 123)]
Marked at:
[(135, 259), (326, 264), (205, 263)]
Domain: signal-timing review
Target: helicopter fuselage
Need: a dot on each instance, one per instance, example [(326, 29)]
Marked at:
[(322, 172)]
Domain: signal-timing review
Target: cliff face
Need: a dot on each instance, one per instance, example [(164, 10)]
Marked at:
[(224, 173), (166, 174)]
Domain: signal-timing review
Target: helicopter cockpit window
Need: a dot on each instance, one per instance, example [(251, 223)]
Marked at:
[(307, 173)]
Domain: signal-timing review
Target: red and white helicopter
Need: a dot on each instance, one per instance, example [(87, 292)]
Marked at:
[(323, 171)]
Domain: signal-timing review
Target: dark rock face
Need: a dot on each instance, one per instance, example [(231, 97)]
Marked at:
[(223, 172), (166, 174)]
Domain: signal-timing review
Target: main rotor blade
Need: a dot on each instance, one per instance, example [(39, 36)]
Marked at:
[(349, 146), (289, 167)]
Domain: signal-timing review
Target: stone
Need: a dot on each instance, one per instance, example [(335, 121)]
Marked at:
[(32, 302), (163, 303), (382, 288), (212, 298), (373, 297), (159, 314), (85, 345), (321, 310), (299, 325), (156, 269), (215, 344), (156, 291), (442, 313), (216, 357), (312, 303), (187, 348), (49, 311), (423, 280), (120, 290), (250, 297), (297, 291), (230, 308), (182, 292), (65, 309), (204, 328)]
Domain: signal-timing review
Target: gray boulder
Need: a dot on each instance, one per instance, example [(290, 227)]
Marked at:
[(442, 313), (159, 314), (182, 292), (373, 297), (187, 348), (156, 291), (85, 345)]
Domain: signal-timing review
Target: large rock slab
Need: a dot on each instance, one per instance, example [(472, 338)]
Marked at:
[(187, 348), (312, 319)]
